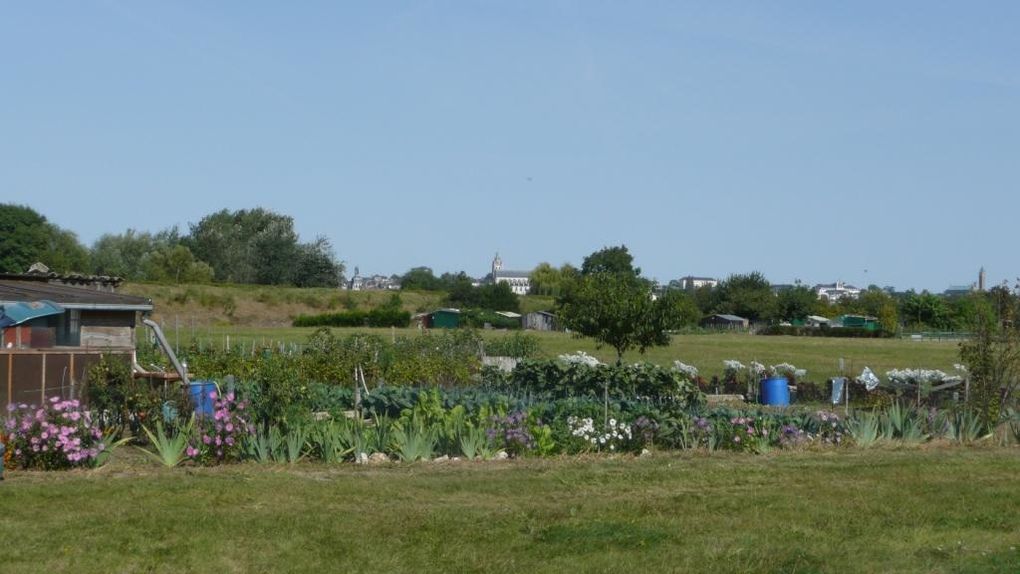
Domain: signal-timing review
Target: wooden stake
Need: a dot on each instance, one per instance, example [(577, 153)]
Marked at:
[(42, 391)]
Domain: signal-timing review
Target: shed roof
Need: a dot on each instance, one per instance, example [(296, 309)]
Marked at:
[(733, 318), (16, 313), (68, 297)]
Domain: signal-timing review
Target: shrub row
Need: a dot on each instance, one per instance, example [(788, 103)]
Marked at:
[(378, 317), (843, 332)]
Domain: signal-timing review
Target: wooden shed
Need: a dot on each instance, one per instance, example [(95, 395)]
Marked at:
[(444, 319), (723, 321), (47, 352), (539, 321)]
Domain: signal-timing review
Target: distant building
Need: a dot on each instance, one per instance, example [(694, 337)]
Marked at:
[(816, 321), (690, 283), (958, 290), (837, 291), (539, 321), (519, 281), (373, 283), (725, 321)]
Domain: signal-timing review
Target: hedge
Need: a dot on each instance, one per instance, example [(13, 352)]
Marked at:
[(847, 332), (378, 317)]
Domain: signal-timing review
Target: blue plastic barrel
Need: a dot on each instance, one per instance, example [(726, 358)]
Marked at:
[(201, 396), (775, 391)]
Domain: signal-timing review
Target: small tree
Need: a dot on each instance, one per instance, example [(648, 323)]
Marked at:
[(992, 358), (617, 309)]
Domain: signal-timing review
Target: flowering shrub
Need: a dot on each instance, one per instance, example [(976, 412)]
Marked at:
[(219, 438), (689, 370), (512, 432), (580, 358), (789, 371), (830, 428), (732, 369), (57, 435), (614, 435)]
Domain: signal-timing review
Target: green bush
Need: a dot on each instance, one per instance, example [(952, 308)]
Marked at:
[(842, 332), (378, 317)]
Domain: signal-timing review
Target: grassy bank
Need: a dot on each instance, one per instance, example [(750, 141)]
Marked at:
[(933, 509)]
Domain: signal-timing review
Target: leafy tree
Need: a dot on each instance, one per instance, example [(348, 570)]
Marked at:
[(925, 310), (748, 296), (27, 237), (420, 279), (617, 309), (545, 280), (498, 297), (682, 307), (123, 254), (796, 303), (175, 263), (316, 266), (612, 260), (260, 246)]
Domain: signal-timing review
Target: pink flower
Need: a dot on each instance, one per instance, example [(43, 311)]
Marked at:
[(192, 452), (213, 395)]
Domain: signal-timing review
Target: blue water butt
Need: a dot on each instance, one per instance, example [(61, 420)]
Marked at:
[(775, 391), (201, 396)]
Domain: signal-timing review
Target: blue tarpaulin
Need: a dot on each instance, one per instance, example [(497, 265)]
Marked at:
[(17, 313)]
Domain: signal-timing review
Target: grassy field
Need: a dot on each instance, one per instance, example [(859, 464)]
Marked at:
[(820, 356), (250, 314), (930, 509)]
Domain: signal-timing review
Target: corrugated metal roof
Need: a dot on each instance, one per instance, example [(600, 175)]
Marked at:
[(17, 313), (730, 317), (12, 291)]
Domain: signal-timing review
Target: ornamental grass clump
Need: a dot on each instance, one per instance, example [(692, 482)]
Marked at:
[(221, 437), (60, 434)]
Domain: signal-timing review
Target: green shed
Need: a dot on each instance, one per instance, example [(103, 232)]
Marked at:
[(859, 322), (444, 319)]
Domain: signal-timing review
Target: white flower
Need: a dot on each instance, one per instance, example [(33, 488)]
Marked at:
[(686, 369), (580, 357), (612, 422)]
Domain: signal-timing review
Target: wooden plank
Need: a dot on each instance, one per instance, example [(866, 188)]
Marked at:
[(42, 390)]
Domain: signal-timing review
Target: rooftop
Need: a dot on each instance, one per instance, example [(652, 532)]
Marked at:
[(69, 297)]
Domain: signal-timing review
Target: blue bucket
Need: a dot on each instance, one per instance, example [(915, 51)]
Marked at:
[(775, 391), (201, 396)]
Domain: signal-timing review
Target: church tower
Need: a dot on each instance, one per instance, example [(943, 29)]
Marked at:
[(497, 265), (981, 279)]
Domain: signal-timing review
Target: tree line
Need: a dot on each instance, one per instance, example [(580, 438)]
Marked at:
[(244, 246)]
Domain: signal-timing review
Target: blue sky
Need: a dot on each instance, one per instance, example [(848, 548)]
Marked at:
[(874, 142)]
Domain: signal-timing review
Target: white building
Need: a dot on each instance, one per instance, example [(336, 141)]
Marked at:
[(837, 291), (519, 281), (690, 283)]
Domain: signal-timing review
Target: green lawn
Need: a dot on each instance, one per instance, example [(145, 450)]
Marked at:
[(919, 509), (820, 356)]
